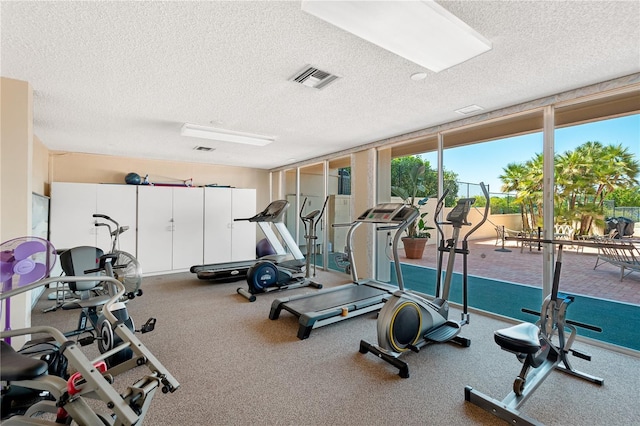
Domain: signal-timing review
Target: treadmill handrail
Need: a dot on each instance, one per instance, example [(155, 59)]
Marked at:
[(401, 225), (272, 213)]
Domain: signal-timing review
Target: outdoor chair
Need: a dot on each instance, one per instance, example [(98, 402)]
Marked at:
[(532, 237), (563, 232), (505, 234), (619, 253)]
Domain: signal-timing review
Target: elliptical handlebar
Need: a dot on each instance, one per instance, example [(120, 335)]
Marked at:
[(313, 216), (437, 212), (310, 222), (463, 220), (115, 233), (487, 204)]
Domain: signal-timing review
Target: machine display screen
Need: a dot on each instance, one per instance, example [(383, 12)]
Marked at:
[(383, 213)]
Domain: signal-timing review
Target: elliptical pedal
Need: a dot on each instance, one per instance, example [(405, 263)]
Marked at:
[(444, 333)]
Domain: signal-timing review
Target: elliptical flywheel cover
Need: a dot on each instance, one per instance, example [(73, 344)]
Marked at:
[(262, 275)]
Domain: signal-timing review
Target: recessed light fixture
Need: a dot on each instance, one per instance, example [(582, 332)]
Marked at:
[(422, 32), (469, 109), (222, 135), (418, 76)]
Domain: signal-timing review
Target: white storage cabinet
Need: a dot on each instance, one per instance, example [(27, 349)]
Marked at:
[(170, 228), (224, 239), (73, 205)]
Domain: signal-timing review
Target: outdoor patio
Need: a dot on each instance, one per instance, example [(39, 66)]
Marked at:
[(578, 276)]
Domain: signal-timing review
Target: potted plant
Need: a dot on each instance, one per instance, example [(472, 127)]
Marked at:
[(417, 231)]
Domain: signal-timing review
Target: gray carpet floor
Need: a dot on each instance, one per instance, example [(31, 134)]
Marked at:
[(238, 367)]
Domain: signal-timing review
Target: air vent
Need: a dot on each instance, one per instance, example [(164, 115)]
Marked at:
[(469, 109), (313, 77), (204, 148)]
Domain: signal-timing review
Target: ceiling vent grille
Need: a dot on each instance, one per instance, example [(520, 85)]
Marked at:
[(204, 148), (313, 77)]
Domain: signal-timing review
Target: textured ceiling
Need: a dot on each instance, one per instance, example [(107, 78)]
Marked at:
[(120, 78)]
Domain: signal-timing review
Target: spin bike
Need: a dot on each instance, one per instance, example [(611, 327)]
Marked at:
[(410, 321), (126, 267), (93, 322), (268, 275), (67, 400), (533, 345)]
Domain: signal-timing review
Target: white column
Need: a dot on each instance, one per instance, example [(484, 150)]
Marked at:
[(547, 190)]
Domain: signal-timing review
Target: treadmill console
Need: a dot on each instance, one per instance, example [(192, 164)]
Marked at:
[(387, 213)]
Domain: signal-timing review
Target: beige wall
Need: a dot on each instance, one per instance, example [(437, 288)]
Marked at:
[(40, 174), (16, 166), (91, 168), (363, 189)]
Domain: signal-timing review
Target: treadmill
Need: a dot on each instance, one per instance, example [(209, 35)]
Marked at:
[(237, 270), (359, 297)]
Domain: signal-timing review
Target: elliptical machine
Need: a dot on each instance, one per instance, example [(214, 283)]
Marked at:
[(410, 321), (267, 275)]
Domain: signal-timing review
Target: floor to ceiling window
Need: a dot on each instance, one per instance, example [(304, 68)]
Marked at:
[(505, 273), (597, 197), (513, 154), (338, 211), (312, 199)]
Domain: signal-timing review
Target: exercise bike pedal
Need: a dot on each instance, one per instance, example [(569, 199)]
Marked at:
[(148, 326), (581, 355), (86, 340)]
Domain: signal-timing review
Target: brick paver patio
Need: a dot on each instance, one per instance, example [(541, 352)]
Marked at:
[(578, 275)]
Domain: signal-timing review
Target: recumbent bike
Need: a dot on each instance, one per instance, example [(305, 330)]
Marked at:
[(534, 347)]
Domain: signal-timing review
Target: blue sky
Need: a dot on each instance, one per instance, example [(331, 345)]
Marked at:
[(485, 161)]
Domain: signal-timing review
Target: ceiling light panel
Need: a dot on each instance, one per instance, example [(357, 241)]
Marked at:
[(469, 109), (422, 32), (223, 135)]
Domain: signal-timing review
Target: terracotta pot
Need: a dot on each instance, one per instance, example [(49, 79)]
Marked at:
[(414, 247)]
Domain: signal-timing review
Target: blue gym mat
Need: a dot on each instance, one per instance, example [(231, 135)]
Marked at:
[(619, 321)]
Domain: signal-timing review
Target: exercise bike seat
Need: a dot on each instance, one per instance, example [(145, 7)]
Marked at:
[(521, 338), (16, 366)]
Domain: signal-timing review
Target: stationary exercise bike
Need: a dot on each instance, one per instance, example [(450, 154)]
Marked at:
[(268, 275), (65, 401), (126, 267), (93, 323), (410, 321), (534, 347)]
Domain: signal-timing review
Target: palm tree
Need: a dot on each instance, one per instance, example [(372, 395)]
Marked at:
[(514, 173), (583, 179)]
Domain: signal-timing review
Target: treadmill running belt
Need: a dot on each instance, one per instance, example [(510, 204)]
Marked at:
[(352, 293)]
